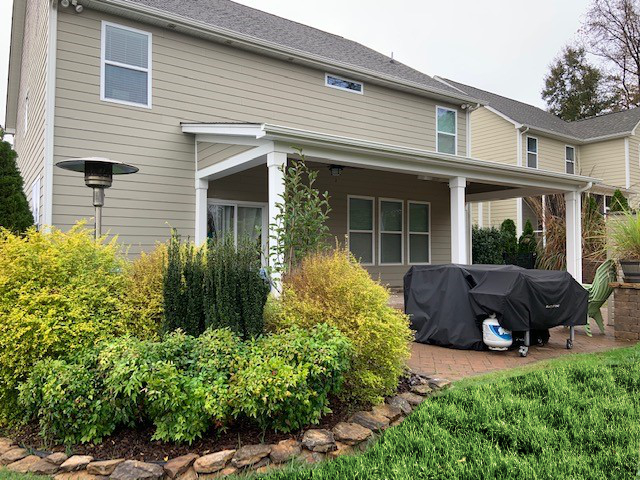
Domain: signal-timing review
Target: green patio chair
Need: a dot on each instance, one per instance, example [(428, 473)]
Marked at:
[(599, 292)]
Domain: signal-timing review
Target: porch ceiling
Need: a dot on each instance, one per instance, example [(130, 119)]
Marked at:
[(485, 180)]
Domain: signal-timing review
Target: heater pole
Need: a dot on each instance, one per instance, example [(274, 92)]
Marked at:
[(98, 202)]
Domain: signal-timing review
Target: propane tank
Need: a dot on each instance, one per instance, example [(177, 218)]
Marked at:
[(494, 336)]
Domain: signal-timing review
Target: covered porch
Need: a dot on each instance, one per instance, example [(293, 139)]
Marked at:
[(394, 206)]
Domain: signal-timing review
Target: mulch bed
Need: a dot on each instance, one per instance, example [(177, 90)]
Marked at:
[(136, 443)]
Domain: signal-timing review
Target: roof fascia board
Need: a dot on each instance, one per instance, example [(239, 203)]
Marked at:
[(15, 63), (366, 152), (125, 9), (505, 117)]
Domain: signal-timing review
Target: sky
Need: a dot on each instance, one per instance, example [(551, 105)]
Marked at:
[(504, 46)]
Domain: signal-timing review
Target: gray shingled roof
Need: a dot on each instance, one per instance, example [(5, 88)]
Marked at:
[(264, 26), (617, 123)]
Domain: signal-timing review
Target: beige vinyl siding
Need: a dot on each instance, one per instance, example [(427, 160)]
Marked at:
[(251, 185), (33, 82), (212, 153), (634, 162), (198, 81), (551, 153), (605, 161), (501, 210), (492, 137)]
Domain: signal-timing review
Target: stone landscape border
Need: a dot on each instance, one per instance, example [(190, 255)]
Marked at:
[(317, 445)]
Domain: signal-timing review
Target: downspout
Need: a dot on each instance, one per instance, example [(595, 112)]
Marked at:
[(50, 105), (519, 215)]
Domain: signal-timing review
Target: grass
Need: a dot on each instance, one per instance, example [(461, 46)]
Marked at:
[(571, 418), (9, 475)]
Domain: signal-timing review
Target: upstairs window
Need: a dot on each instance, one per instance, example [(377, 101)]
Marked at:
[(343, 84), (125, 65), (532, 152), (570, 159), (446, 126)]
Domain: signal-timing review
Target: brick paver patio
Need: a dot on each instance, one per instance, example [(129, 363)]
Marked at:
[(456, 364)]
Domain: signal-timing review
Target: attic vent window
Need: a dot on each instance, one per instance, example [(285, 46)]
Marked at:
[(343, 84), (126, 65)]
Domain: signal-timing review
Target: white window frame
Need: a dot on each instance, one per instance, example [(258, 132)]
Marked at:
[(372, 231), (380, 231), (340, 77), (527, 152), (455, 129), (409, 232), (241, 203), (566, 160), (104, 62)]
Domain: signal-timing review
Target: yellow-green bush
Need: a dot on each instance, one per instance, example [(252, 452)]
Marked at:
[(143, 302), (333, 288), (59, 292)]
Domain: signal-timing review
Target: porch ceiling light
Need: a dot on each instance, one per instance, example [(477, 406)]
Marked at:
[(336, 170), (98, 174)]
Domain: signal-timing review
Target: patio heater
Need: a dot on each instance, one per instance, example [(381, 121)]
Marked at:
[(98, 174)]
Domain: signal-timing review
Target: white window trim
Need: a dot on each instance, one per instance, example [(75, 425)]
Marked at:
[(566, 160), (327, 84), (455, 129), (372, 231), (409, 232), (536, 153), (241, 203), (35, 201), (381, 232), (104, 61)]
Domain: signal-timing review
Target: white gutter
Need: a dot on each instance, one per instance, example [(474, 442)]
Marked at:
[(126, 9)]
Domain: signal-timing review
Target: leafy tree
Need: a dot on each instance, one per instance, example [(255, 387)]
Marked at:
[(508, 237), (528, 242), (300, 226), (14, 208), (611, 29), (619, 202), (573, 89)]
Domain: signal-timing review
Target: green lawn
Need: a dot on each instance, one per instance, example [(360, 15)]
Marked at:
[(8, 475), (572, 418)]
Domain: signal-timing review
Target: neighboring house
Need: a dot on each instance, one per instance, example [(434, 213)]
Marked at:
[(209, 98), (512, 132)]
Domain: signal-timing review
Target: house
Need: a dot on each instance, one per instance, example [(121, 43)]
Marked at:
[(210, 99), (505, 130)]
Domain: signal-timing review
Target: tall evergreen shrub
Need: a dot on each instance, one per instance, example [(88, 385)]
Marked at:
[(528, 242), (486, 246), (509, 237), (14, 208)]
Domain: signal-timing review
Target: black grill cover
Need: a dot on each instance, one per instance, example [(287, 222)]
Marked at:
[(448, 302)]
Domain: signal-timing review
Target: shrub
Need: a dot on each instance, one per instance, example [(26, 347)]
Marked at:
[(14, 208), (625, 237), (284, 380), (619, 202), (487, 246), (528, 243), (184, 385), (218, 287), (235, 291), (333, 288), (59, 292), (509, 237), (143, 302)]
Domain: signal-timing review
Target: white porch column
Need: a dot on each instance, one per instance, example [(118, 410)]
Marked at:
[(275, 161), (457, 186), (201, 211), (573, 203)]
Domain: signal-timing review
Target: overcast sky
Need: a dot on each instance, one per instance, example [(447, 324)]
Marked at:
[(499, 45)]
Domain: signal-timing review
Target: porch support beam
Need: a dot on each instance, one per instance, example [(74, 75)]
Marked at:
[(275, 162), (201, 211), (573, 203), (457, 187)]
